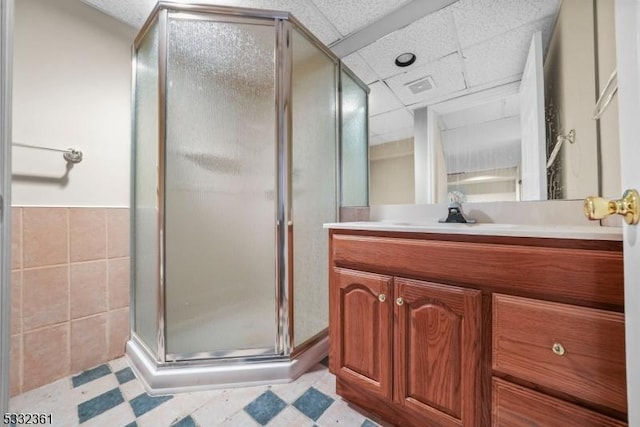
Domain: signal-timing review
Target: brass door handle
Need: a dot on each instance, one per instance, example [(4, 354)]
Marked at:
[(382, 297), (598, 208)]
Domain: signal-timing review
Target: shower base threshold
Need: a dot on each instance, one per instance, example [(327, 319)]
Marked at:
[(198, 375)]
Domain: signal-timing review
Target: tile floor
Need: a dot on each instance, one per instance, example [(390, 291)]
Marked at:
[(110, 395)]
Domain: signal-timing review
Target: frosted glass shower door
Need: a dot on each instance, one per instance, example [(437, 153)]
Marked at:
[(220, 189), (146, 258), (314, 182)]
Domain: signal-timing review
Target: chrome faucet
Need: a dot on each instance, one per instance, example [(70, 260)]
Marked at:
[(455, 209), (456, 215)]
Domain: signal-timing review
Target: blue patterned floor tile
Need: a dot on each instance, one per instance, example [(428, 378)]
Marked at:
[(369, 423), (90, 375), (132, 424), (185, 422), (99, 404), (144, 403), (265, 407), (313, 403), (125, 375)]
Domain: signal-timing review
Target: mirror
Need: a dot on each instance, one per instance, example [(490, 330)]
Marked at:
[(507, 115)]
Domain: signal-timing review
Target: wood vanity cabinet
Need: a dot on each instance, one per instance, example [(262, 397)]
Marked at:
[(409, 342), (457, 330)]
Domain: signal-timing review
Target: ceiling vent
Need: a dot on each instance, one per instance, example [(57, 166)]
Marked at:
[(421, 85)]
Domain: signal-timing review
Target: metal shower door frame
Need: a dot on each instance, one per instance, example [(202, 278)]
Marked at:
[(284, 24), (282, 315), (6, 60)]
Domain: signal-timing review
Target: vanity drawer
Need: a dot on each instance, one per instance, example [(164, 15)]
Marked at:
[(570, 349), (515, 406)]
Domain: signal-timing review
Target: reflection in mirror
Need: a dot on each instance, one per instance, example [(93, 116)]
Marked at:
[(475, 147), (577, 68), (479, 114), (354, 173)]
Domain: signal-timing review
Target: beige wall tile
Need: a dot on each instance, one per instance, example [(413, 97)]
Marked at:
[(88, 288), (118, 233), (45, 236), (87, 234), (45, 297), (16, 238), (88, 342), (15, 365), (118, 283), (46, 356), (16, 302), (118, 332)]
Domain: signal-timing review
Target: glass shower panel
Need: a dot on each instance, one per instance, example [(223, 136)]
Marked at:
[(313, 176), (145, 205), (220, 189), (355, 144)]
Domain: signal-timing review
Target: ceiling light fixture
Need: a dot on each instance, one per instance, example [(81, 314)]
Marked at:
[(405, 59)]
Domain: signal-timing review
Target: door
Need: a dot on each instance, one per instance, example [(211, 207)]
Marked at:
[(533, 172), (220, 188), (361, 329), (628, 54), (437, 352), (6, 19)]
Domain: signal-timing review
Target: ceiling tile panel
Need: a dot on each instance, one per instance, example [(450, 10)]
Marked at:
[(132, 13), (446, 74), (511, 106), (469, 116), (304, 11), (506, 107), (381, 99), (349, 16), (360, 68), (429, 38), (391, 121), (481, 136), (308, 15), (480, 20), (504, 56), (397, 135), (135, 13)]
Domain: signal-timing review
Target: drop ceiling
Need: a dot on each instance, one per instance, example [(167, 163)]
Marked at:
[(464, 47)]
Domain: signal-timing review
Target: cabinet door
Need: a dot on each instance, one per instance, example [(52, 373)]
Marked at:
[(437, 352), (361, 329), (516, 406)]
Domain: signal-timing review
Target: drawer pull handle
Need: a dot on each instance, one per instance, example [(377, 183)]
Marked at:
[(558, 349), (382, 297), (400, 301)]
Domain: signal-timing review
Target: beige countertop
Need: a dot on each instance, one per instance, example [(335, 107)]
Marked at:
[(510, 230)]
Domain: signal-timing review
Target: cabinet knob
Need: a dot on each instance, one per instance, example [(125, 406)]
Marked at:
[(400, 301), (558, 349), (382, 297)]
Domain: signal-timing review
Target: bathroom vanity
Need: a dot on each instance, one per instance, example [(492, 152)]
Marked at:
[(479, 325)]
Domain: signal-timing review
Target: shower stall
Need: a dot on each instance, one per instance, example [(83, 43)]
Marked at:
[(238, 120)]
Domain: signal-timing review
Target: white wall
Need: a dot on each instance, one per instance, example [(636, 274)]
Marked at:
[(72, 83), (391, 173)]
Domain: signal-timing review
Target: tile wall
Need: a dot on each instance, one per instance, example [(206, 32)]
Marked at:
[(69, 291)]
